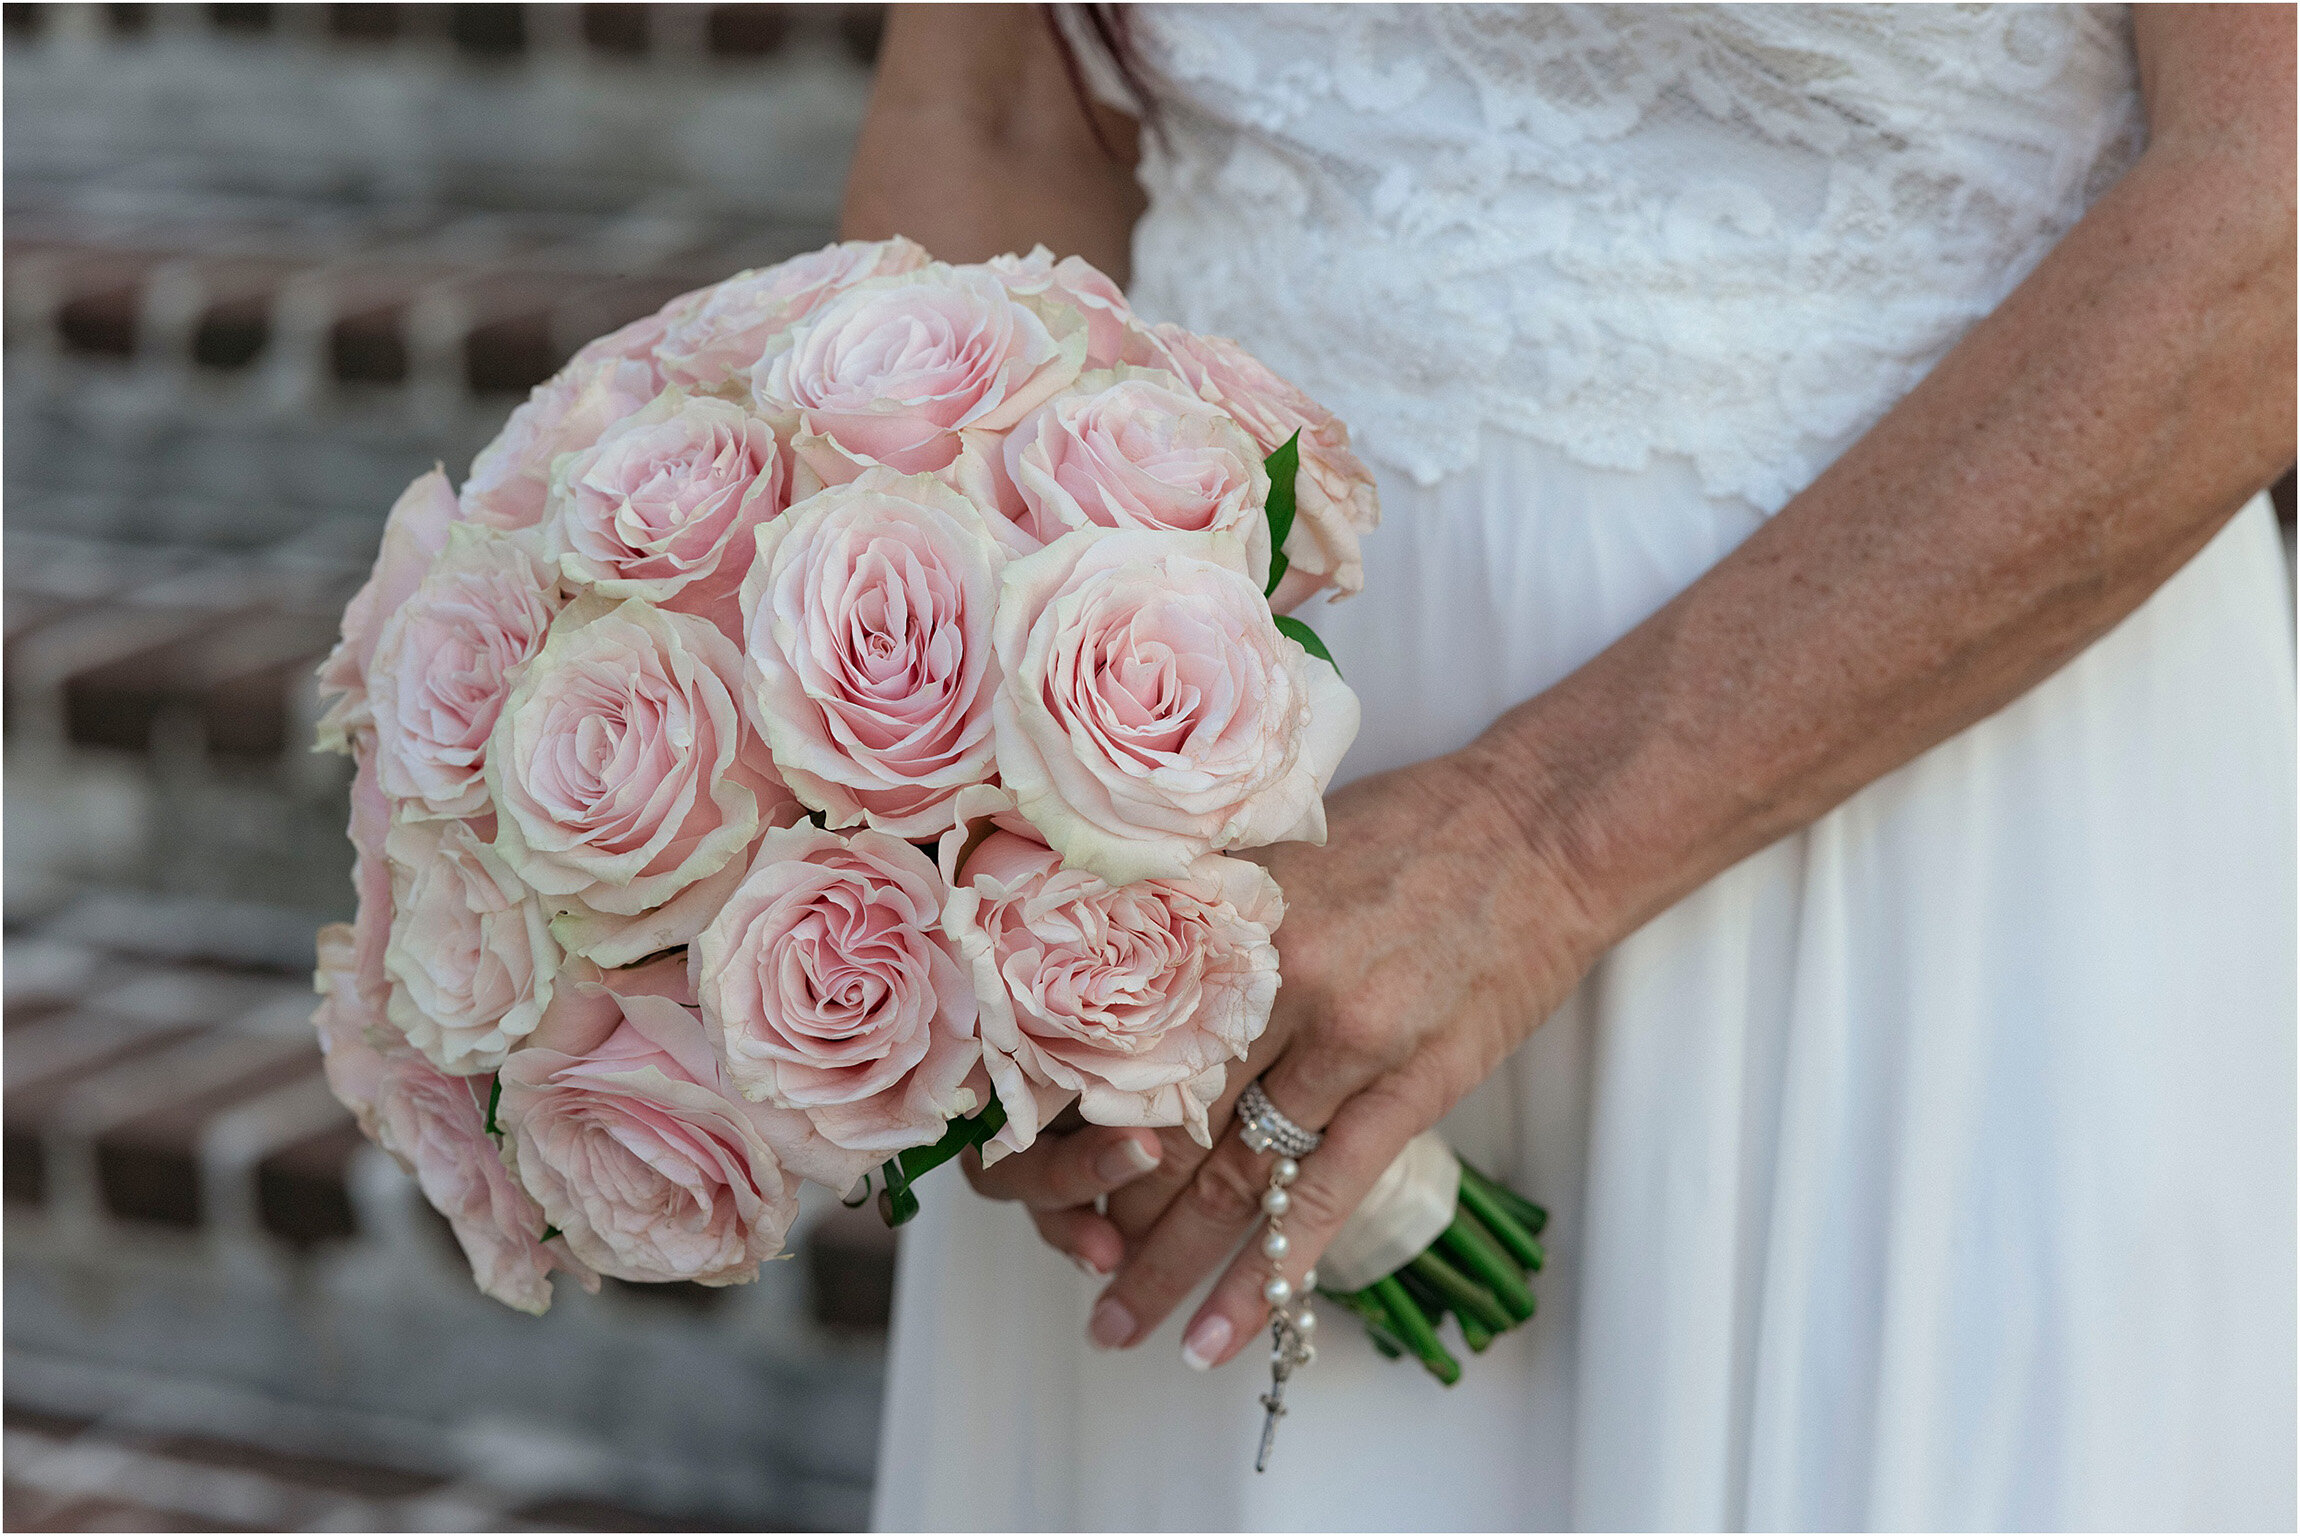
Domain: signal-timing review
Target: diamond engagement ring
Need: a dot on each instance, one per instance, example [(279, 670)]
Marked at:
[(1262, 1126)]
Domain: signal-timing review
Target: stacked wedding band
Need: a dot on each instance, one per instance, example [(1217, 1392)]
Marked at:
[(1262, 1126)]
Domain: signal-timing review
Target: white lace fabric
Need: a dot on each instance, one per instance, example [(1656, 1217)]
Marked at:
[(1732, 233)]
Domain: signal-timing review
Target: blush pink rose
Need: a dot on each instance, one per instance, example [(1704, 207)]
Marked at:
[(712, 338), (663, 506), (413, 535), (1130, 999), (625, 783), (1334, 499), (1111, 329), (510, 481), (471, 958), (635, 342), (434, 1126), (1150, 712), (1132, 448), (830, 991), (901, 370), (620, 1120), (867, 638), (369, 828), (445, 662)]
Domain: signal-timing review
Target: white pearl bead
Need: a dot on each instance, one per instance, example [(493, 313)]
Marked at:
[(1309, 1280), (1309, 1354), (1274, 1246), (1306, 1321), (1278, 1292), (1286, 1170), (1276, 1202)]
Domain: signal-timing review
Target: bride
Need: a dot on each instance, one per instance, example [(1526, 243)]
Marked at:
[(1824, 818)]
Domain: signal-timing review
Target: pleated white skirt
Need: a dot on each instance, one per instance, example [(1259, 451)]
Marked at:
[(1934, 1167)]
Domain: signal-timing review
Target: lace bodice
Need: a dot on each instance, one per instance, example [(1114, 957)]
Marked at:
[(1733, 233)]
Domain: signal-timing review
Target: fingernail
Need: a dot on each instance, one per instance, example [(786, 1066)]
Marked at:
[(1111, 1325), (1086, 1264), (1124, 1160), (1206, 1342)]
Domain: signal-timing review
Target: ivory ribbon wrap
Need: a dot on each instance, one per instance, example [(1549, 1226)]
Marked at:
[(1409, 1205)]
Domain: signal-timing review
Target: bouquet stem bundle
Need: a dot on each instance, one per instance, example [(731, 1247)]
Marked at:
[(1476, 1270)]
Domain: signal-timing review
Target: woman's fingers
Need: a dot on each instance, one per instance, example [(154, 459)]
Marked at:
[(1067, 1170), (1086, 1237), (1200, 1226), (1366, 1136), (1138, 1206)]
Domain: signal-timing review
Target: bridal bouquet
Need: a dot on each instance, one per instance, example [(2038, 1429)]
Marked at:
[(817, 738)]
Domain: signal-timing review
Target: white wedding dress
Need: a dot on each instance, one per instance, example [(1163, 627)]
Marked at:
[(1931, 1168)]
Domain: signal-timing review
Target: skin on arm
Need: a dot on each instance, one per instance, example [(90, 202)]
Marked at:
[(976, 144), (2072, 452)]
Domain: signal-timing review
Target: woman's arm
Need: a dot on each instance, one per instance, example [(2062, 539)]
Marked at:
[(2076, 450), (976, 144), (2073, 451)]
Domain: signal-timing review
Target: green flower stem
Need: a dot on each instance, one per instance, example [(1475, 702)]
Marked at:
[(1463, 1294), (896, 1202), (1529, 1216), (1477, 1198), (1425, 1295), (1371, 1313), (1473, 1334), (1415, 1330), (1482, 1258)]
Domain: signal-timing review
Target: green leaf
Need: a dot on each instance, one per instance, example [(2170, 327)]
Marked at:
[(494, 1097), (896, 1203), (1284, 464), (1305, 637)]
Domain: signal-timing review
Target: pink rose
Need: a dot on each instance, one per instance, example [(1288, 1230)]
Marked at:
[(899, 370), (510, 480), (622, 1124), (370, 874), (635, 342), (830, 992), (434, 1126), (1134, 449), (662, 507), (713, 337), (1150, 712), (471, 956), (625, 783), (445, 662), (1334, 499), (415, 532), (1131, 999), (1077, 282), (867, 619)]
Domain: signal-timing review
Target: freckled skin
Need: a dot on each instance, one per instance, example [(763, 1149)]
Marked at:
[(2073, 452)]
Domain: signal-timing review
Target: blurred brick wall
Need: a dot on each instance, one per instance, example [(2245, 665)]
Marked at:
[(264, 264)]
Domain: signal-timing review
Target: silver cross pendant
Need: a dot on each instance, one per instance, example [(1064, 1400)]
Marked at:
[(1274, 1400)]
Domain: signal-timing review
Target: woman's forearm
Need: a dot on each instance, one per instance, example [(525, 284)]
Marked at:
[(2065, 459), (976, 143)]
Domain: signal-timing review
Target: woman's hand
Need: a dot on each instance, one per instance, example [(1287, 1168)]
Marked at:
[(1420, 946)]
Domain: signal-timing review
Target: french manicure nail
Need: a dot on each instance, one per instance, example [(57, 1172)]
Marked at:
[(1087, 1265), (1111, 1325), (1206, 1342), (1124, 1160)]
